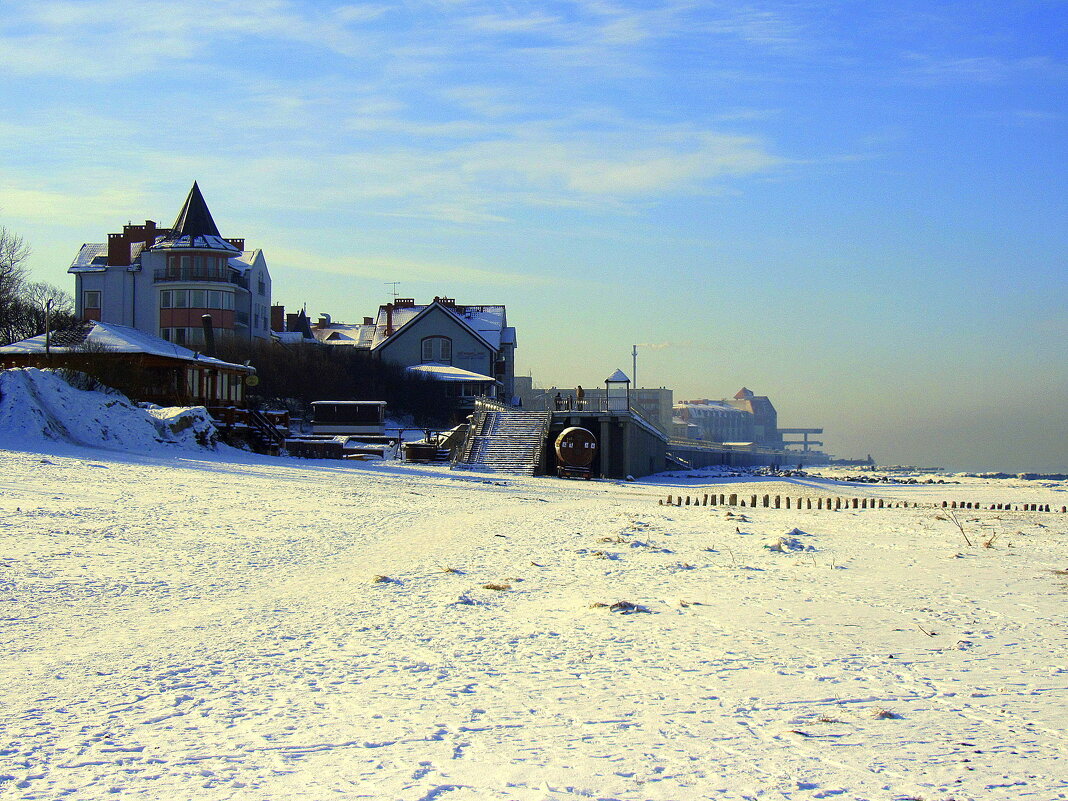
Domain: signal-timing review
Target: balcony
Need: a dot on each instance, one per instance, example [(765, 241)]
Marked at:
[(190, 274)]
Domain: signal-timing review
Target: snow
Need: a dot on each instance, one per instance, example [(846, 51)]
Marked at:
[(115, 338), (446, 372), (186, 623), (37, 406)]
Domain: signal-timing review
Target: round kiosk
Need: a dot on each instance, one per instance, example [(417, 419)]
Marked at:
[(575, 449)]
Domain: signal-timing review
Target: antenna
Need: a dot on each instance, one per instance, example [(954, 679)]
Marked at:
[(393, 284)]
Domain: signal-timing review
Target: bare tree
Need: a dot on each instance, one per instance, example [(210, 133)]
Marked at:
[(13, 255)]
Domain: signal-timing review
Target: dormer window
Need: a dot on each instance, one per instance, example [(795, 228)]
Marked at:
[(437, 349)]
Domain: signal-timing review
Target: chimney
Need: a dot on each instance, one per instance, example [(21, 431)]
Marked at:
[(324, 320), (389, 319), (118, 250), (278, 318), (292, 322), (368, 320), (209, 335)]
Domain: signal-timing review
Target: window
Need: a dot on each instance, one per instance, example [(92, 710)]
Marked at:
[(180, 297), (196, 298), (437, 349), (91, 299)]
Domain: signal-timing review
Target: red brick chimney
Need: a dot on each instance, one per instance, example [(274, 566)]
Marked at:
[(118, 250)]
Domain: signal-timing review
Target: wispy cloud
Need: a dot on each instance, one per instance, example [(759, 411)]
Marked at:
[(398, 269), (981, 69)]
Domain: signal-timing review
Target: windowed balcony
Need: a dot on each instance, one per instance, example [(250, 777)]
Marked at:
[(194, 274)]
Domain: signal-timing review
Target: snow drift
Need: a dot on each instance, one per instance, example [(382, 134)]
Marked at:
[(40, 406)]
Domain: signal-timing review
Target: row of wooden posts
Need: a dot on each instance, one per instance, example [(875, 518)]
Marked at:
[(837, 503)]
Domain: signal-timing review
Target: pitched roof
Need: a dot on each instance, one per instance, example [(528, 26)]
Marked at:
[(405, 315), (195, 227), (112, 338), (194, 218)]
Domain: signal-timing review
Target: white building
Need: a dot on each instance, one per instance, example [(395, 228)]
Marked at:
[(164, 280)]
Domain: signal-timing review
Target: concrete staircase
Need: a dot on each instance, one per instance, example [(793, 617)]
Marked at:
[(505, 441)]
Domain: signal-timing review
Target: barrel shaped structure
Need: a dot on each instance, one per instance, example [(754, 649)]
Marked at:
[(575, 448)]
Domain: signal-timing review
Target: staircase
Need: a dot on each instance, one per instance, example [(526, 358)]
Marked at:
[(505, 441)]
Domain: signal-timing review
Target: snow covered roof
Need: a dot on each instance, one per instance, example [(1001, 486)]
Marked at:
[(114, 339), (618, 377), (352, 335), (488, 322), (93, 256), (244, 260), (446, 372), (195, 228)]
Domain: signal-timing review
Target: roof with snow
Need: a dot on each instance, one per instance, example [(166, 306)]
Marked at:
[(488, 322), (195, 227), (618, 377), (446, 372), (112, 338), (354, 335)]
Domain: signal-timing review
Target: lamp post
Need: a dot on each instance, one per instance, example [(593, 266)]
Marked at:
[(48, 328)]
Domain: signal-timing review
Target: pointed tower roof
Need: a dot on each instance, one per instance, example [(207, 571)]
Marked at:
[(744, 394), (194, 218), (195, 228)]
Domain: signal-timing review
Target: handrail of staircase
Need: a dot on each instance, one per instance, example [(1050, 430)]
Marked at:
[(263, 425), (492, 404), (545, 424)]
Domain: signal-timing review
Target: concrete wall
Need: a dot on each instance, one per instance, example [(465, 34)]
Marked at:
[(624, 447)]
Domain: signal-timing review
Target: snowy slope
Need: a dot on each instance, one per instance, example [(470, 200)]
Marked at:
[(175, 628), (37, 406)]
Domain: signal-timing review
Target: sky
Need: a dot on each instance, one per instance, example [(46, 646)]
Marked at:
[(856, 209)]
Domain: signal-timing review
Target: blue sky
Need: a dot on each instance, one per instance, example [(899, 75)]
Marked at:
[(859, 211)]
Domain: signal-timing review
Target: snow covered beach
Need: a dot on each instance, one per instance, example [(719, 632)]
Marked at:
[(212, 627)]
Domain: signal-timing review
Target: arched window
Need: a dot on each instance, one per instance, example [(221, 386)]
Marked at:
[(437, 349)]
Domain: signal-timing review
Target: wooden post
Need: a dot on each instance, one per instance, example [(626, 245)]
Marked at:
[(767, 501), (819, 503), (808, 505), (671, 500), (733, 500), (778, 502), (753, 504)]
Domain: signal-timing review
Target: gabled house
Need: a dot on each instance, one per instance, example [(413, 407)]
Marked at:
[(164, 280), (475, 339)]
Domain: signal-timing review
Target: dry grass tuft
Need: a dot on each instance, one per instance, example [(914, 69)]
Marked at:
[(451, 570), (381, 579), (885, 714), (498, 587)]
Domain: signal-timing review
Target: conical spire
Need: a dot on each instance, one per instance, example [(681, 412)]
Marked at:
[(194, 219)]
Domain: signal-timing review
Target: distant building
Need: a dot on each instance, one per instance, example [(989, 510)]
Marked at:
[(713, 421), (765, 418), (164, 280), (746, 418)]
